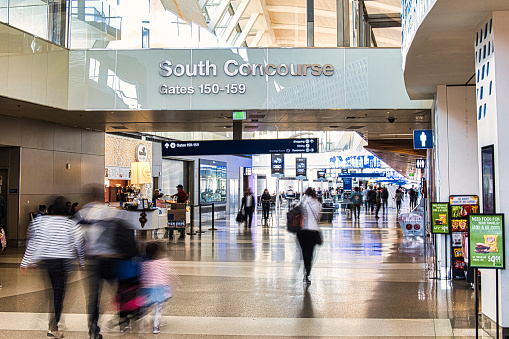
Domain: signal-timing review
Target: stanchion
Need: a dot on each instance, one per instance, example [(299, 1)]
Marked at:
[(199, 226), (213, 229), (191, 230), (476, 296)]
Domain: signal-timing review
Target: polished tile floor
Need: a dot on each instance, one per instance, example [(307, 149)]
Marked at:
[(367, 281)]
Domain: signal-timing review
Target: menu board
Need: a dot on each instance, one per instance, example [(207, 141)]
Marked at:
[(460, 207), (440, 217), (486, 241)]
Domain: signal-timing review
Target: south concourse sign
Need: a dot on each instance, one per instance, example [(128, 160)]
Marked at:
[(440, 218), (486, 241)]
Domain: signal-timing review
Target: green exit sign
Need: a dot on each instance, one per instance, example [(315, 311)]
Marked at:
[(240, 115), (411, 174)]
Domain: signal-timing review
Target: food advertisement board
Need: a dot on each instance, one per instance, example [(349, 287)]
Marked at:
[(460, 207), (486, 241), (440, 218)]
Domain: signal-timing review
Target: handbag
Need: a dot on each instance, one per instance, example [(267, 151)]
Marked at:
[(240, 217)]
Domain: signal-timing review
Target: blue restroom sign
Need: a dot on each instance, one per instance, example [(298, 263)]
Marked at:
[(423, 138)]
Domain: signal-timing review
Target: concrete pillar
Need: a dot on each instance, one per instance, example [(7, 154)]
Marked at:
[(492, 84), (237, 129), (455, 158), (310, 14)]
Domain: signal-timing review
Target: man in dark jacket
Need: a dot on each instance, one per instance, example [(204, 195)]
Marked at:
[(385, 197), (249, 205), (371, 198)]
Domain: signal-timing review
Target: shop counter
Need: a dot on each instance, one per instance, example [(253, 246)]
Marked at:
[(156, 218)]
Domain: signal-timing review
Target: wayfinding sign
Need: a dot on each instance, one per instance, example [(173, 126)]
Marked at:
[(300, 168), (423, 138), (226, 147), (486, 241), (440, 218)]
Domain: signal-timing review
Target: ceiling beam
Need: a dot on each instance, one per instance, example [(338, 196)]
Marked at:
[(235, 20), (246, 29)]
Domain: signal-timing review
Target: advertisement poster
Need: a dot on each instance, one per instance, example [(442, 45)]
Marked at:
[(320, 174), (440, 217), (486, 241), (460, 207), (277, 165), (300, 168)]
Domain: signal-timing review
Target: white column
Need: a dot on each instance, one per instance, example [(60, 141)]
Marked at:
[(492, 86), (455, 153)]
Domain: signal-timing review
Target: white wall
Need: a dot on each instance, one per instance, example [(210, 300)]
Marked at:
[(493, 131)]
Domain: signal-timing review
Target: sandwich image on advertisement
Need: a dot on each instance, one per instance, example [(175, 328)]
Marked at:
[(489, 245)]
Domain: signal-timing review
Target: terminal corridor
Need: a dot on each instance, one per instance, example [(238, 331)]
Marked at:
[(367, 281)]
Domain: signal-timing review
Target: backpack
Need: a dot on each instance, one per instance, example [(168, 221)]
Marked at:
[(294, 220), (356, 199), (124, 241), (3, 239)]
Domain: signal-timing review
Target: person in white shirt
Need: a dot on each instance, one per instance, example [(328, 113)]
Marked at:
[(54, 242), (310, 234), (365, 198), (248, 203)]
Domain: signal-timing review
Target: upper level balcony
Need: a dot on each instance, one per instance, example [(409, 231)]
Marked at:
[(438, 42)]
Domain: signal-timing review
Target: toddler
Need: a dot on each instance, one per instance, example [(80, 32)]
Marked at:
[(158, 280)]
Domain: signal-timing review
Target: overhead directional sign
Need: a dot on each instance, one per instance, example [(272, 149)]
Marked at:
[(423, 138), (220, 147)]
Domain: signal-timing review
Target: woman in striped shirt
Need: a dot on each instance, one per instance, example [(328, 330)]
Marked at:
[(54, 242)]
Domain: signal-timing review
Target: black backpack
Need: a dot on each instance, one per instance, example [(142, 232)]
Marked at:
[(294, 220)]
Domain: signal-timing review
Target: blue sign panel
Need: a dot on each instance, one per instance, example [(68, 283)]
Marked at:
[(277, 165), (423, 138), (226, 147), (362, 175), (347, 184), (354, 161)]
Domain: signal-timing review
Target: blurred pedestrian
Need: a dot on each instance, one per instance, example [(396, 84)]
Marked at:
[(75, 211), (68, 209), (54, 242), (130, 300), (378, 201), (398, 197), (108, 239), (365, 198), (249, 206), (385, 196), (159, 279), (356, 203), (266, 200), (310, 234), (42, 211)]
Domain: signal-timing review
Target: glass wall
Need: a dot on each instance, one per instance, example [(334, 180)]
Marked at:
[(212, 181), (134, 24), (172, 175)]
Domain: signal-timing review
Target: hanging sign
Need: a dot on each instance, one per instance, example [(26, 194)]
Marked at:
[(486, 241), (277, 165), (300, 168), (440, 218)]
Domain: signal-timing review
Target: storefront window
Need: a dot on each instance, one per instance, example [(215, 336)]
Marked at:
[(212, 181)]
